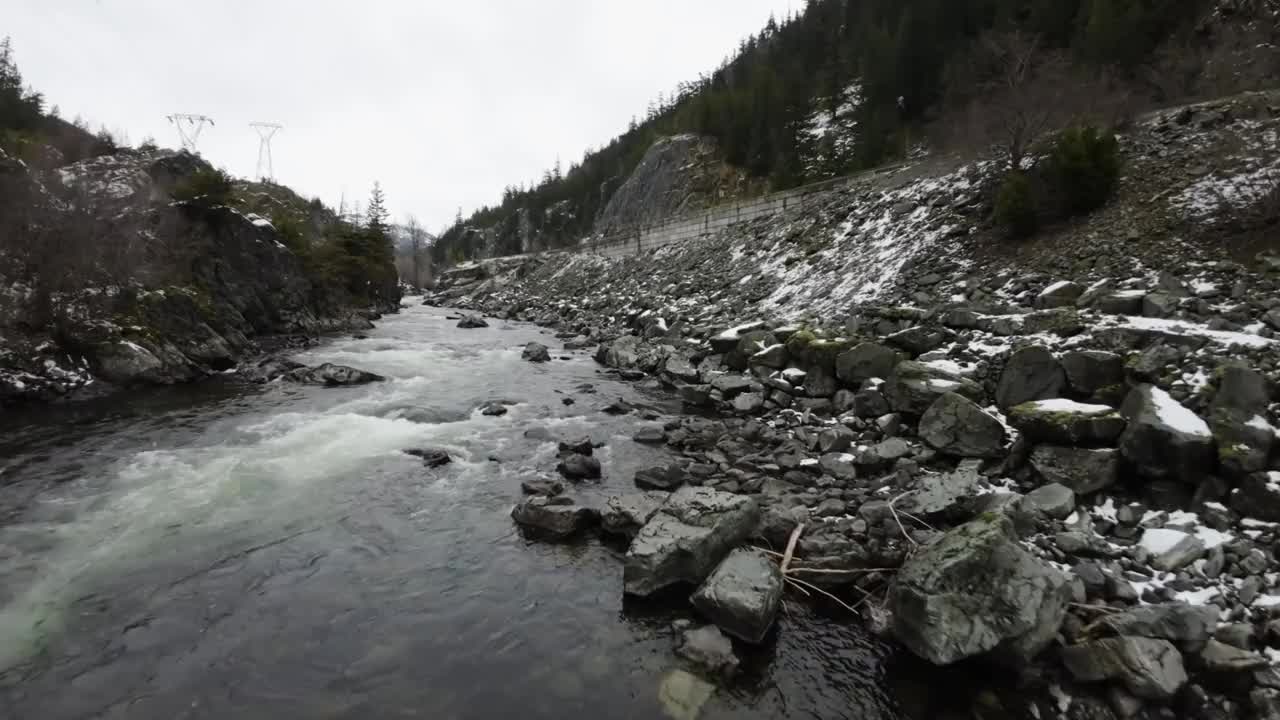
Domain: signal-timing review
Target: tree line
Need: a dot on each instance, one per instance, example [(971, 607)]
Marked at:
[(917, 66)]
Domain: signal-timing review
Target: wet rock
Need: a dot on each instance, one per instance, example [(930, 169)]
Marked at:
[(331, 375), (1163, 438), (742, 595), (687, 538), (1187, 626), (576, 466), (431, 458), (682, 695), (663, 477), (955, 425), (542, 486), (536, 353), (1055, 501), (914, 386), (1148, 668), (650, 435), (1065, 422), (493, 409), (709, 649), (581, 446), (776, 524), (550, 517), (1032, 373), (1083, 470), (864, 362), (943, 616), (472, 322), (625, 514), (945, 496)]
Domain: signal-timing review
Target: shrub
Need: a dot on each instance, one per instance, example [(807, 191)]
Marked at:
[(1016, 204), (209, 187), (1082, 169)]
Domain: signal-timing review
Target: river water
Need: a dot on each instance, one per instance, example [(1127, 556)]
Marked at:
[(235, 551)]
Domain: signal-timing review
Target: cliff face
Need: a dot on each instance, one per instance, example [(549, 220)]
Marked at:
[(107, 281), (678, 175)]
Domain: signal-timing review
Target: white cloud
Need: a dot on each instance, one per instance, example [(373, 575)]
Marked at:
[(444, 102)]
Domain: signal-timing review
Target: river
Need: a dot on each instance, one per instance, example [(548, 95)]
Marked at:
[(234, 551)]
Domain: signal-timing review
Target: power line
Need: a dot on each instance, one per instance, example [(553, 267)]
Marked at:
[(189, 133), (266, 131)]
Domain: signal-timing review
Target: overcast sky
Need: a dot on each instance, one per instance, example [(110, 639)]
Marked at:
[(444, 102)]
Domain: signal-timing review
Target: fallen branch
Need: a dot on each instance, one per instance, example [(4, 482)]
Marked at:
[(898, 520), (815, 588), (824, 571), (791, 547)]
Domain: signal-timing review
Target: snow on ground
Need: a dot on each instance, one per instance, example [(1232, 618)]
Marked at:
[(1183, 327)]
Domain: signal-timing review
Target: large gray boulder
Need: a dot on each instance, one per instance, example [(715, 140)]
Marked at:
[(955, 425), (946, 496), (1259, 497), (556, 518), (472, 322), (727, 341), (1060, 294), (914, 386), (977, 591), (1188, 626), (1149, 668), (536, 352), (1066, 422), (1032, 373), (749, 344), (1090, 372), (1083, 470), (1163, 438), (1237, 418), (864, 362), (742, 595), (331, 375), (625, 514), (686, 538)]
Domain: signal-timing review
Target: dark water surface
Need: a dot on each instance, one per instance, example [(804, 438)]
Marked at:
[(224, 551)]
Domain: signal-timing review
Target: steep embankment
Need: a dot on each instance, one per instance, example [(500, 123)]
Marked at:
[(1060, 456), (109, 281)]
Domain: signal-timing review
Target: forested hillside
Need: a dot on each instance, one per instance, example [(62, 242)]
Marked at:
[(851, 84)]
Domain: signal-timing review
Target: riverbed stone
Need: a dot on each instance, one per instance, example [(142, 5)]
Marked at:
[(688, 536), (1147, 667), (955, 425), (742, 595), (472, 322), (625, 514), (710, 650), (331, 375), (550, 517), (1164, 439), (661, 477), (536, 352), (942, 615), (541, 486), (576, 466), (683, 694)]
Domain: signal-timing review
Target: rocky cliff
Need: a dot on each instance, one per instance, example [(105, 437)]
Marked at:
[(111, 282)]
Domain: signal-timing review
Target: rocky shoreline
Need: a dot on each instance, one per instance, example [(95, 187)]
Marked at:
[(1081, 489)]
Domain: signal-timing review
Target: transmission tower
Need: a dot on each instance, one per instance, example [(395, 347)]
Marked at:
[(266, 131), (189, 128)]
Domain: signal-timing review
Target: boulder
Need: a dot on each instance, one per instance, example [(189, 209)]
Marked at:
[(625, 514), (774, 357), (914, 386), (1090, 372), (1147, 667), (1187, 626), (331, 375), (472, 322), (709, 649), (662, 477), (1219, 657), (541, 486), (1055, 501), (944, 497), (553, 518), (1171, 550), (944, 614), (728, 340), (430, 457), (576, 466), (864, 362), (1083, 470), (493, 409), (1165, 439), (685, 540), (1122, 302), (1259, 497), (1060, 294), (1032, 373), (749, 343), (920, 339), (742, 595), (955, 425), (1237, 417), (748, 403), (1066, 422), (536, 353)]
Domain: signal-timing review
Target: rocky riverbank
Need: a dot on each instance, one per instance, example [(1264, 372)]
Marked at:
[(1074, 479)]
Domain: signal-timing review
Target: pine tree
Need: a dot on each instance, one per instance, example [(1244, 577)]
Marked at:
[(376, 215)]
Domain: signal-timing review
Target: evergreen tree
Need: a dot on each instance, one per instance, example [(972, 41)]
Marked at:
[(376, 214)]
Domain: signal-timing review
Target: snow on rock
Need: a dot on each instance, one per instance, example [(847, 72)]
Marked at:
[(1063, 405), (1177, 416)]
